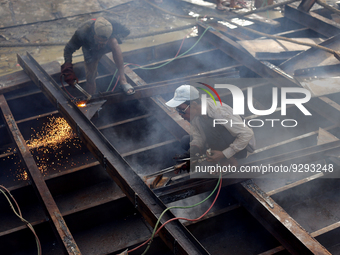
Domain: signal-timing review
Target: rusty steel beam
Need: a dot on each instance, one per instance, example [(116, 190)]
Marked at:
[(327, 236), (237, 52), (307, 155), (313, 56), (174, 235), (313, 21), (306, 5), (279, 74), (318, 71), (190, 187), (149, 90), (175, 124), (63, 234), (277, 221), (19, 79), (141, 92)]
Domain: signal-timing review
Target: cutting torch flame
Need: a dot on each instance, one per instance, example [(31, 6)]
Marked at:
[(81, 104)]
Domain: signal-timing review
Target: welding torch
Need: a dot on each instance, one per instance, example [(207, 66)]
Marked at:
[(88, 96), (75, 83), (183, 164)]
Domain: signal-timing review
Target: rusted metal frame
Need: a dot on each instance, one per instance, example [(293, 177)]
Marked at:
[(24, 120), (23, 227), (284, 55), (190, 187), (290, 32), (157, 51), (283, 227), (280, 78), (330, 103), (273, 251), (325, 110), (303, 58), (160, 32), (178, 58), (59, 225), (177, 126), (19, 79), (4, 155), (132, 244), (140, 93), (158, 145), (293, 139), (52, 176), (143, 92), (307, 155), (124, 121), (117, 197), (71, 170), (162, 87), (324, 235), (151, 89), (317, 70), (37, 117), (328, 235), (173, 234), (224, 71), (313, 21), (297, 183), (237, 52), (306, 5)]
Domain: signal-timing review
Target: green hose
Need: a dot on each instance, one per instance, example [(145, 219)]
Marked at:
[(180, 207), (156, 67)]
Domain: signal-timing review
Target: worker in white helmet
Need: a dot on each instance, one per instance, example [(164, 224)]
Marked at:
[(227, 143)]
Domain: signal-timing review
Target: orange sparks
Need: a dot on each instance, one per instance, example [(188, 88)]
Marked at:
[(52, 134), (49, 144)]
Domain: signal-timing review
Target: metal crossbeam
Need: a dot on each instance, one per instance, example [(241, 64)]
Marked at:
[(266, 70), (59, 226), (306, 5), (313, 21), (277, 221), (175, 124), (175, 235), (237, 52)]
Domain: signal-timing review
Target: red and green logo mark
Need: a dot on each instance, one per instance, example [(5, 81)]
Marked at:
[(209, 93)]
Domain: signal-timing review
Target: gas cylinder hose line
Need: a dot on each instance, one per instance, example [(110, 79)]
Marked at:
[(155, 230), (18, 213), (161, 65)]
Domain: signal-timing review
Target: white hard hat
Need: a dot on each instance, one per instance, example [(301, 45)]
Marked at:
[(182, 94)]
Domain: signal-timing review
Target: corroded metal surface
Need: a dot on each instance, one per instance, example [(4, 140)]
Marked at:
[(292, 236), (39, 183), (174, 235)]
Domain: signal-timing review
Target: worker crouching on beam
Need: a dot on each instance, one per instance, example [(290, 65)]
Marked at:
[(227, 143), (96, 37)]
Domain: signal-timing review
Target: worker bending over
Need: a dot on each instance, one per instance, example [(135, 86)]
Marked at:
[(96, 37), (227, 143)]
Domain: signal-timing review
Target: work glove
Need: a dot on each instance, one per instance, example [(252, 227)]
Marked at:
[(68, 73)]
